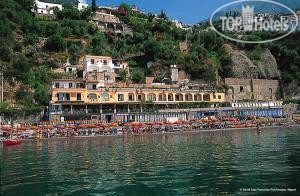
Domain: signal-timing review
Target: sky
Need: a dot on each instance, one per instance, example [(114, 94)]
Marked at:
[(186, 11)]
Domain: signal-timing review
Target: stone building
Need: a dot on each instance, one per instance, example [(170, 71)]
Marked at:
[(108, 22), (252, 89)]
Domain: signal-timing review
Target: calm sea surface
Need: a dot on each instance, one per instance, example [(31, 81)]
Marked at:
[(171, 164)]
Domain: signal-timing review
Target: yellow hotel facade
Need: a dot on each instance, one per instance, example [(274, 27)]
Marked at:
[(78, 98)]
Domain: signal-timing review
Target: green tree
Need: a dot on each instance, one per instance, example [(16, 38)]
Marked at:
[(137, 75), (55, 43), (163, 15), (74, 51), (94, 5), (123, 74)]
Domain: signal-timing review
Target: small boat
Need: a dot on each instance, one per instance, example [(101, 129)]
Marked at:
[(11, 142)]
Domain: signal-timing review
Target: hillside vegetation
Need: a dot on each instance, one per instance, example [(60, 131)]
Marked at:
[(31, 46)]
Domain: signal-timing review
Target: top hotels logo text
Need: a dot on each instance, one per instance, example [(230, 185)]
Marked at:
[(249, 20)]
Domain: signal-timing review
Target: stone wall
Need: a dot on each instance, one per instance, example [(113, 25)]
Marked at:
[(252, 89)]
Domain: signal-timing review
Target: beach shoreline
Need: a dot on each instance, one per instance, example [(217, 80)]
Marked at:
[(163, 133)]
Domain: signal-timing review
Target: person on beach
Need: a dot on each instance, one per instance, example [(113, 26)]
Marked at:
[(258, 129)]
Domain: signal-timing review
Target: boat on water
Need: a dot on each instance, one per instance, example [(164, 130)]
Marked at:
[(11, 142)]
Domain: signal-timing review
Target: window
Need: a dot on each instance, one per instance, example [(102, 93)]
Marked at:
[(56, 85), (67, 97), (79, 85), (105, 97), (139, 97), (130, 97), (92, 96), (94, 77), (197, 97), (60, 96), (241, 89), (178, 97), (160, 97), (107, 78), (105, 62), (78, 96), (170, 97), (219, 97), (94, 86), (92, 61), (120, 97), (63, 96), (188, 97), (206, 97), (151, 97), (70, 85)]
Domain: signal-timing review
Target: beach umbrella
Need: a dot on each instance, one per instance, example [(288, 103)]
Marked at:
[(22, 128), (127, 124), (48, 127), (34, 128), (159, 123), (82, 126), (7, 128), (184, 122), (177, 123), (104, 125), (92, 126), (151, 123), (114, 124)]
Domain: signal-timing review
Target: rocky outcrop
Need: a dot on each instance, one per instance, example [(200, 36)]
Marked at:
[(267, 65), (253, 64)]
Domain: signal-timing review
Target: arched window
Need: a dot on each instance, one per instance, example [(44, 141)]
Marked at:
[(241, 89), (104, 97), (170, 97), (178, 97), (141, 97), (188, 97), (197, 97), (92, 96), (151, 97), (206, 97), (162, 97)]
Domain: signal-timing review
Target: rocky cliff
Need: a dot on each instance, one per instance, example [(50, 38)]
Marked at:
[(253, 64)]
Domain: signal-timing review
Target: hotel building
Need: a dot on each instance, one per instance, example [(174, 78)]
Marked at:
[(98, 96)]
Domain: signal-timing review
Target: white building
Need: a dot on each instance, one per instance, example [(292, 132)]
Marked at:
[(177, 24), (69, 68), (82, 5), (46, 8), (102, 64)]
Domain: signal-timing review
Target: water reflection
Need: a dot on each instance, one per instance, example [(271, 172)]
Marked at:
[(187, 163)]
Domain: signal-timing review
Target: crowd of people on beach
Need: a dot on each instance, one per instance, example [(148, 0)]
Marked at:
[(77, 129)]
